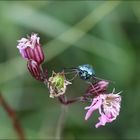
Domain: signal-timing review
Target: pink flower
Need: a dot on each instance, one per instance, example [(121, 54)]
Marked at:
[(108, 106), (30, 48)]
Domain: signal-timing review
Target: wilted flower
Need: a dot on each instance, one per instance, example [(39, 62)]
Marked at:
[(30, 48), (57, 84), (97, 88), (108, 106)]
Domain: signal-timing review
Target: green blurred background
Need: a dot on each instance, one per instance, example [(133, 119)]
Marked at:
[(102, 33)]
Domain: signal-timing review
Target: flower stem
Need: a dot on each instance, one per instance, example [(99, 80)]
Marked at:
[(64, 101), (12, 115), (60, 123)]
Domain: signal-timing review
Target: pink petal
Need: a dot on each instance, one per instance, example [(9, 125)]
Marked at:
[(102, 120), (93, 108)]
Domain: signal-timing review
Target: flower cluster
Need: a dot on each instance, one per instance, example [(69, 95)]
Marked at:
[(107, 103), (30, 49)]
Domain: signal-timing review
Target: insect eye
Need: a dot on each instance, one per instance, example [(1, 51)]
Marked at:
[(80, 72)]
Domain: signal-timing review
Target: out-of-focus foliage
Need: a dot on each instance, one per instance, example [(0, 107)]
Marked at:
[(102, 33)]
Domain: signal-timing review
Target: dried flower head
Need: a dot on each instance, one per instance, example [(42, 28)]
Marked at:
[(108, 106), (57, 84), (30, 48)]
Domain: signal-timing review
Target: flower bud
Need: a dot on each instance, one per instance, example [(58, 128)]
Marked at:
[(30, 48), (97, 88), (35, 70)]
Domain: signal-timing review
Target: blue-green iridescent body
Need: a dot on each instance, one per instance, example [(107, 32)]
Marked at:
[(85, 71)]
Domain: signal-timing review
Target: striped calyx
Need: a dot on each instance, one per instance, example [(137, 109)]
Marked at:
[(30, 48), (35, 70)]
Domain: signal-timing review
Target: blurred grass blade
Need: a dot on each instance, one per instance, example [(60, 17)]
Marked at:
[(65, 40), (48, 25)]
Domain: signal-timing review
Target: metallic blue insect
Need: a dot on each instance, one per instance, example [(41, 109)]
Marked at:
[(85, 72)]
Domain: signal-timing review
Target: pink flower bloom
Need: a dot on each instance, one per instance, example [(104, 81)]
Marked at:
[(108, 106), (30, 48)]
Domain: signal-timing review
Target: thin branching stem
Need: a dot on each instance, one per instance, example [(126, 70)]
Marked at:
[(12, 115), (65, 101)]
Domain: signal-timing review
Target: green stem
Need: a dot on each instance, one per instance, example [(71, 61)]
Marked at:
[(60, 122)]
